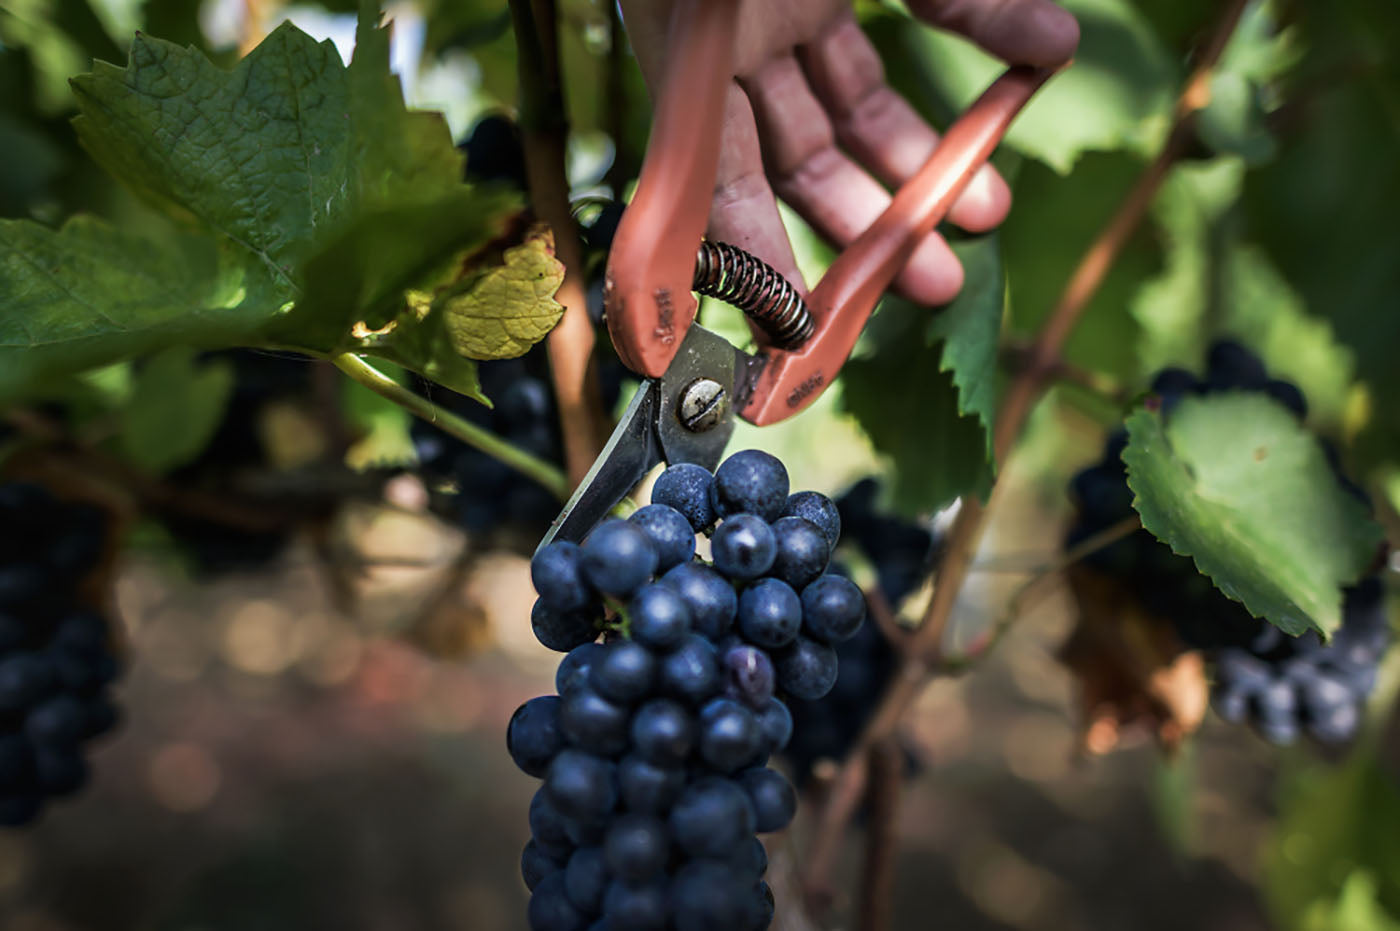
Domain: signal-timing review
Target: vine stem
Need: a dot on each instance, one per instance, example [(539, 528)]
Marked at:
[(924, 649), (886, 768), (536, 468), (544, 129)]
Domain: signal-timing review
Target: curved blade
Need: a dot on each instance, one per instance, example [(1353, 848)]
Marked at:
[(630, 453)]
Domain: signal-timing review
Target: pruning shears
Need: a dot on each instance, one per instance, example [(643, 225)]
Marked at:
[(696, 382)]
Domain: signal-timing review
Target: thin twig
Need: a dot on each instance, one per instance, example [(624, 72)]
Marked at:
[(546, 473), (1016, 356), (926, 645), (544, 131), (881, 836), (882, 613)]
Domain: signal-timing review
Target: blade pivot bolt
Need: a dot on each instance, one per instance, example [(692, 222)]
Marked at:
[(704, 404)]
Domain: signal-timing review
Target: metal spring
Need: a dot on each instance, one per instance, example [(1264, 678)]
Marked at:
[(730, 274)]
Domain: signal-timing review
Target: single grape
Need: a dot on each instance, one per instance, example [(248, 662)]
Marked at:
[(663, 732), (533, 736), (582, 785), (729, 735), (743, 547), (586, 879), (686, 487), (770, 613), (691, 672), (558, 577), (670, 533), (833, 608), (774, 800), (712, 818), (659, 616), (801, 551), (807, 669), (707, 895), (617, 557), (749, 675), (636, 847), (624, 673), (750, 482), (594, 723), (708, 595), (573, 668), (556, 631)]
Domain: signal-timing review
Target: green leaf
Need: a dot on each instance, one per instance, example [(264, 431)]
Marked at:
[(89, 294), (933, 421), (321, 198), (1117, 93), (176, 405), (358, 280), (1236, 483), (507, 308)]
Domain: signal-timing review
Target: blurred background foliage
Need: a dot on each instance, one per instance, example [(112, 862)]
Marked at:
[(290, 763)]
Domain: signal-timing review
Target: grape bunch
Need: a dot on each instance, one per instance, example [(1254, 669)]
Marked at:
[(654, 751), (1281, 685), (55, 658)]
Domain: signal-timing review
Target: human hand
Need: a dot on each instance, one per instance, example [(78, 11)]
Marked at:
[(810, 119)]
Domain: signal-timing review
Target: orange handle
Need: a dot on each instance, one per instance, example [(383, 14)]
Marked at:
[(847, 294), (652, 262)]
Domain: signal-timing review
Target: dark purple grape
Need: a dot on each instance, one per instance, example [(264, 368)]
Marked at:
[(659, 617), (686, 488), (533, 737), (618, 558), (708, 595), (750, 482), (743, 547), (770, 613), (670, 533)]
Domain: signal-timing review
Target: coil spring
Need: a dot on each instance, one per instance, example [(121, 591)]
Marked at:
[(730, 274)]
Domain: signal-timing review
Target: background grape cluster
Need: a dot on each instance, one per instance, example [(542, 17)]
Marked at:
[(654, 752), (1281, 685), (55, 655)]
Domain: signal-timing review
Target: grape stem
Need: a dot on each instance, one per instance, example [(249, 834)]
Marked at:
[(546, 473), (922, 658), (583, 423)]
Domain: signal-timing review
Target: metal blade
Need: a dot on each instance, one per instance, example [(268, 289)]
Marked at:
[(630, 453)]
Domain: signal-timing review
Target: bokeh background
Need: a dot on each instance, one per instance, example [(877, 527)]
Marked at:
[(317, 740)]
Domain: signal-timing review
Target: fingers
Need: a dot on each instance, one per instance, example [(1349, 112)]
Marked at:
[(1022, 32), (879, 128), (744, 211), (825, 186)]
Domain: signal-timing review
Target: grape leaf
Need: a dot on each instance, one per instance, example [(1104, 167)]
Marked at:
[(508, 308), (1116, 94), (89, 294), (176, 405), (311, 202), (934, 421), (1236, 483)]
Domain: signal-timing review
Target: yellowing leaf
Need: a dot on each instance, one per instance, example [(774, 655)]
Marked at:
[(508, 308)]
